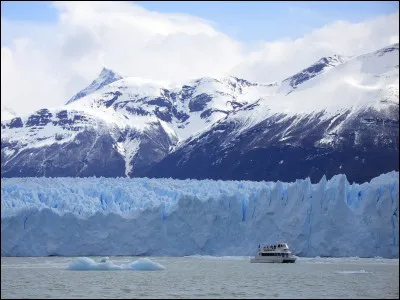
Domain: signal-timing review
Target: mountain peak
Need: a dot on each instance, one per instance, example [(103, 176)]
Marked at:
[(105, 72), (333, 60), (105, 77), (315, 69)]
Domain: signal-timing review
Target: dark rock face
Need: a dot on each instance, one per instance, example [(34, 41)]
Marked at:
[(41, 118), (199, 102), (362, 150), (87, 155), (310, 72), (15, 123), (180, 115), (155, 145), (110, 102), (92, 152)]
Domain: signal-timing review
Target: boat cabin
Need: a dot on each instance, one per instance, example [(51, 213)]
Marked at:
[(278, 246)]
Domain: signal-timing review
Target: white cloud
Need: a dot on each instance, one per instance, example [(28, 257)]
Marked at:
[(47, 63), (275, 61)]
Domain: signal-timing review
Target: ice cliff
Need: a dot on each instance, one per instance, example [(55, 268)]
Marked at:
[(141, 216)]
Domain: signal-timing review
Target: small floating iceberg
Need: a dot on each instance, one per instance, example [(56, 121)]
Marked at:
[(145, 264), (353, 272), (88, 264)]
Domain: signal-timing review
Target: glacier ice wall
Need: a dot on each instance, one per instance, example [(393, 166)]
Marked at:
[(141, 216)]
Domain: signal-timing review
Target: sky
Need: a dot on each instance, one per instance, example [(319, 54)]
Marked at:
[(51, 50)]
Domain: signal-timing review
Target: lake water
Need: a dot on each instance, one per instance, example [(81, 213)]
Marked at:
[(203, 277)]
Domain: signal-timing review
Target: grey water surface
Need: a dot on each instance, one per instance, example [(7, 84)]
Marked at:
[(202, 277)]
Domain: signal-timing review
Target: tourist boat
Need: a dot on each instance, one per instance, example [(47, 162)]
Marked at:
[(278, 253)]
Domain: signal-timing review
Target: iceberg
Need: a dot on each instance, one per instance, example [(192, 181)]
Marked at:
[(353, 272), (167, 217), (88, 264)]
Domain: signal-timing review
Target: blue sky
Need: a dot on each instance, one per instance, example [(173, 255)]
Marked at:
[(246, 21)]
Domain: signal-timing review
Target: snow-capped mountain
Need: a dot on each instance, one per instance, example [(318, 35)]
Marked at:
[(106, 76), (133, 122), (343, 120), (339, 115)]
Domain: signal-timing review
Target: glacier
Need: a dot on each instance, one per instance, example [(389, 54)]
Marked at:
[(168, 217)]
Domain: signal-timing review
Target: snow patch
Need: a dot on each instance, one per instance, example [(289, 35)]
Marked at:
[(128, 150), (131, 148)]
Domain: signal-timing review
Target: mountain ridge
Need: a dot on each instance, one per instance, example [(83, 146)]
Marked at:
[(132, 115)]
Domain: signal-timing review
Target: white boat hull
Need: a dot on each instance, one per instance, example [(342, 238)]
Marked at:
[(273, 259)]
